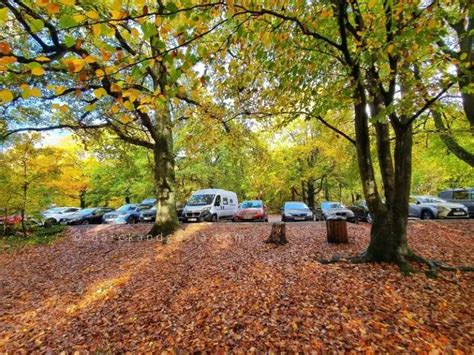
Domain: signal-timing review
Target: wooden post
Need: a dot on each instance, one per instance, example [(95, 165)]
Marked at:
[(278, 234), (336, 228)]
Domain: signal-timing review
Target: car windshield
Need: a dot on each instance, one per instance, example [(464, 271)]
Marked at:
[(200, 200), (126, 208), (296, 206), (329, 205), (86, 211), (56, 210), (430, 199), (251, 204)]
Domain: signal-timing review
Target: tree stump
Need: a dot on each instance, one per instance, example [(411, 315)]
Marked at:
[(278, 234), (336, 229)]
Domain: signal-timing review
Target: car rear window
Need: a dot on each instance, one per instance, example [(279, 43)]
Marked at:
[(252, 204)]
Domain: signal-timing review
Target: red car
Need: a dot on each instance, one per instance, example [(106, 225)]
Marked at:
[(253, 210), (10, 220)]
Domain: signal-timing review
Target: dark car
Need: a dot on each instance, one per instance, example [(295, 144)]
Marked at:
[(126, 214), (462, 196), (149, 215), (86, 216), (361, 211), (296, 211), (148, 203), (329, 209), (253, 210)]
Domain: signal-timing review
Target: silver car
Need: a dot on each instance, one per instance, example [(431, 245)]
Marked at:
[(430, 207), (330, 209)]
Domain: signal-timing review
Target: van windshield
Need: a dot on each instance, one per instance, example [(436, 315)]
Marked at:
[(200, 200)]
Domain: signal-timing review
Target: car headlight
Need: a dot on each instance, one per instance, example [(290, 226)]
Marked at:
[(443, 209)]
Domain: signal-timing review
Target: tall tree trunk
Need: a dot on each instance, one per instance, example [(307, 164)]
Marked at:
[(311, 192), (82, 199), (388, 240), (166, 215)]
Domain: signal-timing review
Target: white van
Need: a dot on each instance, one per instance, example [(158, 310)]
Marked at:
[(210, 205)]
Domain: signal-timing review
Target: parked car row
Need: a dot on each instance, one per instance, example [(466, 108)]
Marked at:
[(217, 204), (422, 207)]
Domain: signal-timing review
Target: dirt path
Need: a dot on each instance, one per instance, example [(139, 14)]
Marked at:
[(220, 287)]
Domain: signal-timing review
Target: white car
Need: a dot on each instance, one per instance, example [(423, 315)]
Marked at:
[(431, 207), (54, 215), (210, 205)]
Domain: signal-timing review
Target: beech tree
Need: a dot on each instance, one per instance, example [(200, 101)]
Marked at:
[(378, 57), (125, 66)]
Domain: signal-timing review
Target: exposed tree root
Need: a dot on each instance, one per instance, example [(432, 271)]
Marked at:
[(402, 262), (435, 266)]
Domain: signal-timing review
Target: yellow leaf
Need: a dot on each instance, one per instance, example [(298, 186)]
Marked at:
[(390, 48), (463, 56), (78, 18), (371, 4), (64, 109), (38, 71), (432, 23), (68, 2), (90, 59), (74, 65), (114, 109), (125, 119), (3, 15), (100, 92), (42, 3), (5, 96), (42, 59), (100, 73), (97, 29), (35, 92), (92, 15), (59, 90), (115, 88)]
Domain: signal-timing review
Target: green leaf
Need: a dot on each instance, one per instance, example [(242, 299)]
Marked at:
[(66, 21), (149, 30), (36, 25), (69, 41)]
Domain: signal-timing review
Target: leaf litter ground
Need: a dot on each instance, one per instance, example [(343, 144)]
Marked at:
[(218, 287)]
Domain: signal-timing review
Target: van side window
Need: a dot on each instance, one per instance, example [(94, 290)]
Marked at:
[(218, 201), (225, 200), (461, 195)]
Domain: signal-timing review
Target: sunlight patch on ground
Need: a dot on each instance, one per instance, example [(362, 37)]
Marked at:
[(103, 290), (180, 236)]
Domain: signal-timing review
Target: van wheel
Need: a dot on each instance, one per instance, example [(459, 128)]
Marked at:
[(214, 218), (426, 214)]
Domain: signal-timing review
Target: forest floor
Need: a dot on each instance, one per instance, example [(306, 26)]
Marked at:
[(219, 287)]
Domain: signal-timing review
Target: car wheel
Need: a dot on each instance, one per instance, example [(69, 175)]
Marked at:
[(283, 219), (266, 220), (85, 222), (426, 214), (214, 218)]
